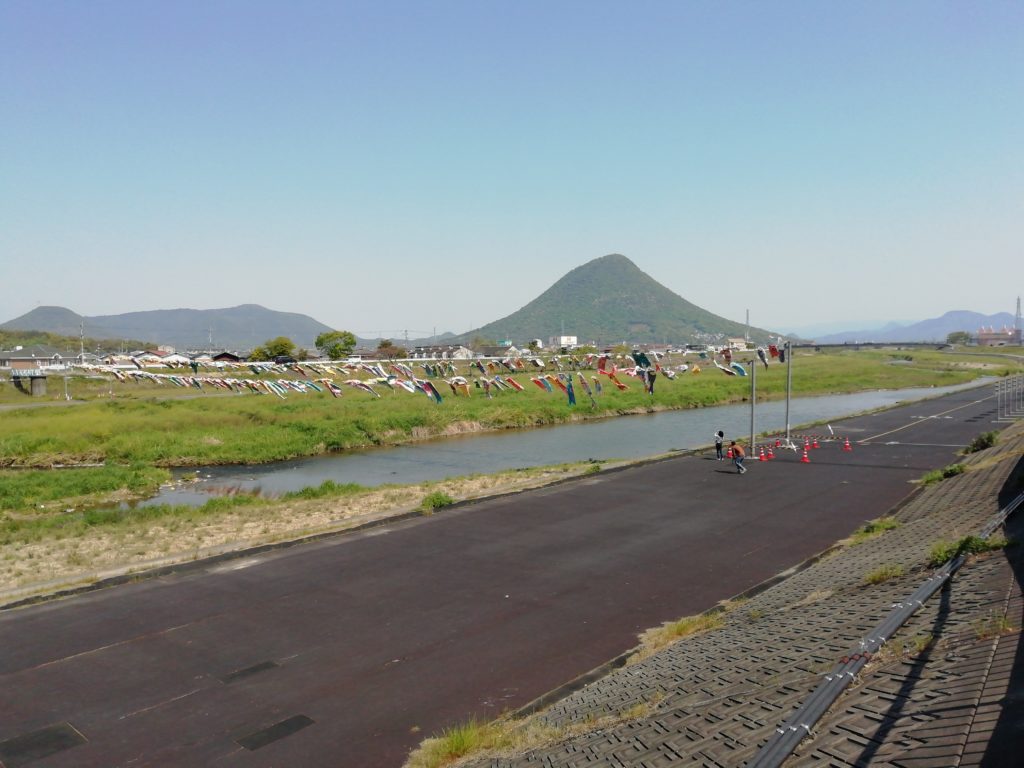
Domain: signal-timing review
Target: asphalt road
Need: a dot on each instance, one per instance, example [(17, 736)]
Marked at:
[(347, 652)]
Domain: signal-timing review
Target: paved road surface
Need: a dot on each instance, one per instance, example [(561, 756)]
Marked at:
[(348, 651)]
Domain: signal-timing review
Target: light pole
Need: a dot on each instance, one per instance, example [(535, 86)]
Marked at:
[(789, 390), (753, 401)]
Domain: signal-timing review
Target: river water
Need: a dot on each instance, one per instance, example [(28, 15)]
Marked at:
[(628, 437)]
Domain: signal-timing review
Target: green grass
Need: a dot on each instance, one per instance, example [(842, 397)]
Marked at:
[(937, 475), (873, 529), (943, 551), (15, 530), (165, 426), (328, 489), (435, 500), (25, 490)]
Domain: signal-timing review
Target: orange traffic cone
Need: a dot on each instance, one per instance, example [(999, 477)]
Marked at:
[(728, 452), (807, 443), (762, 457), (778, 443), (771, 454), (805, 460), (815, 443), (847, 446)]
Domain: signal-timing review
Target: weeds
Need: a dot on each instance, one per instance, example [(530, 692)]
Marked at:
[(937, 475), (873, 529), (435, 500), (981, 442), (944, 551), (653, 640), (992, 625), (883, 574)]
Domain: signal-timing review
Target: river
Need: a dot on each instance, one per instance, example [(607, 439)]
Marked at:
[(629, 437)]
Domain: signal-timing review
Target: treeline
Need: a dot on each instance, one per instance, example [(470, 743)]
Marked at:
[(11, 339)]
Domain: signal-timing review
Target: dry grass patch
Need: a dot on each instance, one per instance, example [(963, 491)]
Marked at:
[(53, 559), (811, 598), (507, 738), (653, 640)]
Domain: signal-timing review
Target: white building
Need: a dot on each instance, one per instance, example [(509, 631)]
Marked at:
[(564, 341)]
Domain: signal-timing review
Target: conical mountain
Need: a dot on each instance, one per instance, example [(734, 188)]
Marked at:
[(610, 300)]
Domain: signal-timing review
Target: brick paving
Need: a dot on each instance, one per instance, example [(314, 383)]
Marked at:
[(946, 690)]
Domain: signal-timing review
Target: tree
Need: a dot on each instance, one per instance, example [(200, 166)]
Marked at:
[(958, 337), (334, 345), (282, 346), (387, 350)]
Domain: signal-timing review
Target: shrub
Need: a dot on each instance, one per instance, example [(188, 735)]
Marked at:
[(435, 500), (981, 442), (937, 475)]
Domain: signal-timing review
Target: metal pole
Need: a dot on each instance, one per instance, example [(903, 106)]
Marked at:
[(753, 402), (789, 389)]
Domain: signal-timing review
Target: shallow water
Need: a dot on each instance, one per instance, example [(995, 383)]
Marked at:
[(628, 437)]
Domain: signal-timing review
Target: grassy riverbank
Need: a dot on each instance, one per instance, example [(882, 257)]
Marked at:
[(139, 425), (58, 527)]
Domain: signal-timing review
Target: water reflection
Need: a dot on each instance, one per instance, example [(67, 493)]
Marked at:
[(616, 438)]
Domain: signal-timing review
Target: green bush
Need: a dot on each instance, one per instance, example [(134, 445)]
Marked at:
[(981, 442), (435, 500), (941, 474)]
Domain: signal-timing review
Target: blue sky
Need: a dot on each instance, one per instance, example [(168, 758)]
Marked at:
[(384, 166)]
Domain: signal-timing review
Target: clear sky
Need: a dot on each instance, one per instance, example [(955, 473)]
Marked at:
[(384, 166)]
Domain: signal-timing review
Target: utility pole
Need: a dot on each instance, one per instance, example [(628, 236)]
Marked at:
[(1016, 324), (753, 402), (789, 389)]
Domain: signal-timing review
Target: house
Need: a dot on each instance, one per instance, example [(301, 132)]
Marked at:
[(501, 351), (38, 357), (563, 342), (442, 352), (990, 337)]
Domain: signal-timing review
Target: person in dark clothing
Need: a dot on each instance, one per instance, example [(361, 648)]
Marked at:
[(719, 440)]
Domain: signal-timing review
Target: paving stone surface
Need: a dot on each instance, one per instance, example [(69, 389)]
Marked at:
[(947, 689)]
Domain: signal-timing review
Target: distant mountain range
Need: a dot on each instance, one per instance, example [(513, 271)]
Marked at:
[(610, 300), (605, 301), (935, 329), (238, 328)]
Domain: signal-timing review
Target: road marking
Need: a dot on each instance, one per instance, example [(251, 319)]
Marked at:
[(917, 423)]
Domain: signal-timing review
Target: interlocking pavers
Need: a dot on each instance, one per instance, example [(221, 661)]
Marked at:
[(933, 703)]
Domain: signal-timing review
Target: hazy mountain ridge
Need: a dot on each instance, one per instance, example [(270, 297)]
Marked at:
[(237, 328), (934, 329)]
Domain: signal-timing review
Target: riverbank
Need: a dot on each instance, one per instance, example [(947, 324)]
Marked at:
[(75, 550), (254, 429)]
